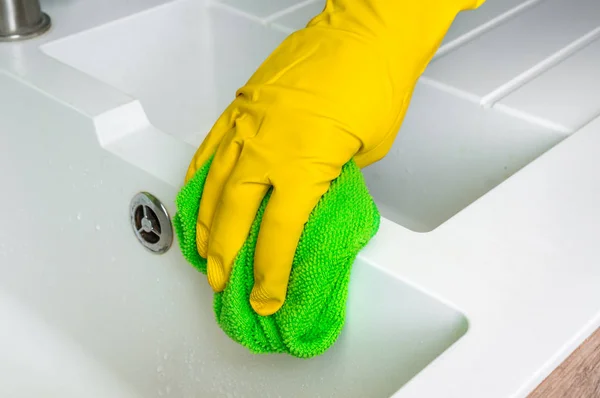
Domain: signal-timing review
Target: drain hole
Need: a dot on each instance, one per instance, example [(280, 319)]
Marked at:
[(151, 215), (150, 222), (149, 237), (139, 215), (147, 224)]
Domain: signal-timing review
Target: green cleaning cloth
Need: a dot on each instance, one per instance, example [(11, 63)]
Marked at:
[(313, 313)]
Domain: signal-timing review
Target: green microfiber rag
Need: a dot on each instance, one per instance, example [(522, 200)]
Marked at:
[(313, 314)]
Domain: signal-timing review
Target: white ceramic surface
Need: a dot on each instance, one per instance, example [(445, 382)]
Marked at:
[(98, 115), (568, 92), (495, 57), (183, 73), (262, 8), (298, 19), (109, 306), (448, 153), (468, 25)]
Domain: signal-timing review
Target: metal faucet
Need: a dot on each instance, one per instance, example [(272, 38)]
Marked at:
[(22, 19)]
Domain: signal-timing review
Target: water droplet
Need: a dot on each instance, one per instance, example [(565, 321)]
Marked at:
[(168, 389), (159, 369), (97, 227), (79, 215), (157, 280), (70, 167), (166, 356)]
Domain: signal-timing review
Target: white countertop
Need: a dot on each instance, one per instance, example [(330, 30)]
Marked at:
[(521, 262)]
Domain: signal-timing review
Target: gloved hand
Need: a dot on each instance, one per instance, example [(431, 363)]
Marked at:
[(333, 91)]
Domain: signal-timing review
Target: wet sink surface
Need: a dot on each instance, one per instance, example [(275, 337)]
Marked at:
[(130, 323)]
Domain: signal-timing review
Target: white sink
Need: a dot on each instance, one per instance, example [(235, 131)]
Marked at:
[(184, 61), (105, 111), (82, 300), (181, 60)]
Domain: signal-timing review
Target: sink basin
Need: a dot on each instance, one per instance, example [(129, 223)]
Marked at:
[(200, 59), (392, 332), (87, 302)]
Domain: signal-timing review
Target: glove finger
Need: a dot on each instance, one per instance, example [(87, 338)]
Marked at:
[(283, 222), (220, 169), (239, 203), (224, 123)]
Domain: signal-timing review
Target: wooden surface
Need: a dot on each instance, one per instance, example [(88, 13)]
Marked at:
[(578, 376)]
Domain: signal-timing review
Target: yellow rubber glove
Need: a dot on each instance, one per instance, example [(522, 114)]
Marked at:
[(333, 91)]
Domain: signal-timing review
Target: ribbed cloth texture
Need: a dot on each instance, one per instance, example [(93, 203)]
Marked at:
[(313, 314)]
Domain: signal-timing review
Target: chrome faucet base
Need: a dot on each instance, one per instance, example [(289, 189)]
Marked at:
[(34, 31), (22, 19)]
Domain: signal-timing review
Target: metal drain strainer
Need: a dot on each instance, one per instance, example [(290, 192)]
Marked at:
[(151, 222)]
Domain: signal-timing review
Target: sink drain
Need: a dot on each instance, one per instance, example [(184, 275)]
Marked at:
[(151, 223)]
